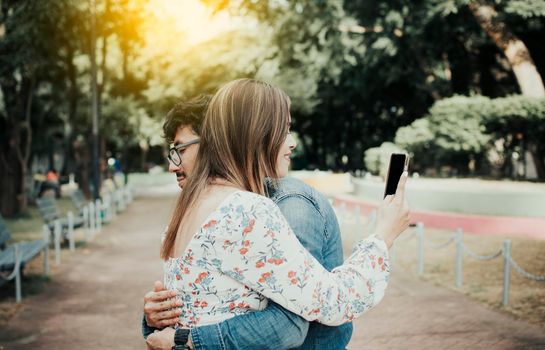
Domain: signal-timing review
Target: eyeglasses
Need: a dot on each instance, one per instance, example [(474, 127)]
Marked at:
[(175, 152)]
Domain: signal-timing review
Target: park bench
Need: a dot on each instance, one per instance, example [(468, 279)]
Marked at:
[(100, 210), (14, 257), (47, 206), (79, 200)]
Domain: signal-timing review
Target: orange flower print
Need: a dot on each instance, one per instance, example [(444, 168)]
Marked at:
[(248, 229), (196, 303), (204, 304), (210, 223), (278, 261), (264, 276), (270, 261), (380, 261), (232, 306), (292, 274), (243, 251), (294, 281), (203, 275), (243, 305), (186, 270), (246, 243), (259, 264), (178, 277)]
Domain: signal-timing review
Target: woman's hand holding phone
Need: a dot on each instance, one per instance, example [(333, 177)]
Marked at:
[(393, 214)]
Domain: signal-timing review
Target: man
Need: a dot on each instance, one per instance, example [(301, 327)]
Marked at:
[(313, 221)]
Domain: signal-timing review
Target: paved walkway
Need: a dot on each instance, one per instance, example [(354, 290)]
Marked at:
[(94, 301)]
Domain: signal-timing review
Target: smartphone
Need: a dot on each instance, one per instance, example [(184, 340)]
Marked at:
[(398, 163)]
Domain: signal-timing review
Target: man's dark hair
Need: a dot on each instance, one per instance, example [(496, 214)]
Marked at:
[(190, 112)]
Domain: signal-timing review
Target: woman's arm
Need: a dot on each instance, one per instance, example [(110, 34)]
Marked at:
[(266, 256)]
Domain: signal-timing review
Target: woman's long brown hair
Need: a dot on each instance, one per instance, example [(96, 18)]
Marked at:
[(244, 128)]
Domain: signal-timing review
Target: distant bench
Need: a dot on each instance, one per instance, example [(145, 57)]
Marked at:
[(14, 257), (59, 225)]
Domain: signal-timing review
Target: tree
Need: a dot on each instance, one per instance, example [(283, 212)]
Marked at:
[(517, 53), (24, 58)]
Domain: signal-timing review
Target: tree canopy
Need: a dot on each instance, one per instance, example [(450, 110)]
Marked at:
[(359, 73)]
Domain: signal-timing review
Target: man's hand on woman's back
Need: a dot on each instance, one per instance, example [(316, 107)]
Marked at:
[(161, 307)]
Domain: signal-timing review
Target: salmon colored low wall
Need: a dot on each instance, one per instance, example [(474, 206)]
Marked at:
[(476, 224)]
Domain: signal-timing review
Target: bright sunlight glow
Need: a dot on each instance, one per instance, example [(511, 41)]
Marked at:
[(187, 19)]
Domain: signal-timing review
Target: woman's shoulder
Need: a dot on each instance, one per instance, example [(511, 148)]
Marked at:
[(252, 197), (252, 200)]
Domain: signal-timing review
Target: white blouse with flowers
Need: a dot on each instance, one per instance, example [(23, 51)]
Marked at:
[(245, 253)]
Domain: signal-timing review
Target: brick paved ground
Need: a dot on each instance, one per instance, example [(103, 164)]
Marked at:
[(94, 301), (418, 315)]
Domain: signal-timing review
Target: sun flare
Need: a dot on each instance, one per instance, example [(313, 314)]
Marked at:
[(189, 20)]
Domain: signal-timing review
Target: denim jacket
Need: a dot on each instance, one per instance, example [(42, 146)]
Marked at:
[(312, 219)]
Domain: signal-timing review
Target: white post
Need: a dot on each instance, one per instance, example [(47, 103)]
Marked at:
[(98, 211), (113, 206), (46, 235), (106, 208), (18, 294), (506, 270), (92, 217), (459, 257), (57, 232), (71, 240), (420, 257), (86, 222)]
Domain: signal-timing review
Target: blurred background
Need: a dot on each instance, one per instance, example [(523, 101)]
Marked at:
[(456, 84)]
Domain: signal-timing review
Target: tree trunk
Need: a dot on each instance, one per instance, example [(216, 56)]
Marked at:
[(514, 49), (537, 153), (73, 95), (82, 160), (10, 152), (8, 175), (23, 155)]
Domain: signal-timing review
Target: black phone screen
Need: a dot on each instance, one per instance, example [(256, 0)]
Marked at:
[(395, 169)]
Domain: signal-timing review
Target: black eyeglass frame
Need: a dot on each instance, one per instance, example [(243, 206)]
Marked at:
[(176, 150)]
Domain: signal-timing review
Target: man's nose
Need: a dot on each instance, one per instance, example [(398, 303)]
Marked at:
[(173, 168)]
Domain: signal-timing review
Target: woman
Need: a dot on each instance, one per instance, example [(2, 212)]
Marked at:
[(228, 248)]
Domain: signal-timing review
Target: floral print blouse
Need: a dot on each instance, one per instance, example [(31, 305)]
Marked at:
[(245, 253)]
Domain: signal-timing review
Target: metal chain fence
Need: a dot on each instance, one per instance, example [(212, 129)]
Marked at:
[(461, 250), (441, 245), (475, 256), (524, 273)]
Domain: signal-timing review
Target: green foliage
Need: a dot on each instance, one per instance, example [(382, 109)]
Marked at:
[(524, 8), (461, 128), (377, 158)]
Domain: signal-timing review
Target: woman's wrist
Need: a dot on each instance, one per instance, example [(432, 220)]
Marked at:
[(389, 242)]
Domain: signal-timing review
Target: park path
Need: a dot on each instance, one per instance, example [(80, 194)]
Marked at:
[(94, 301)]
